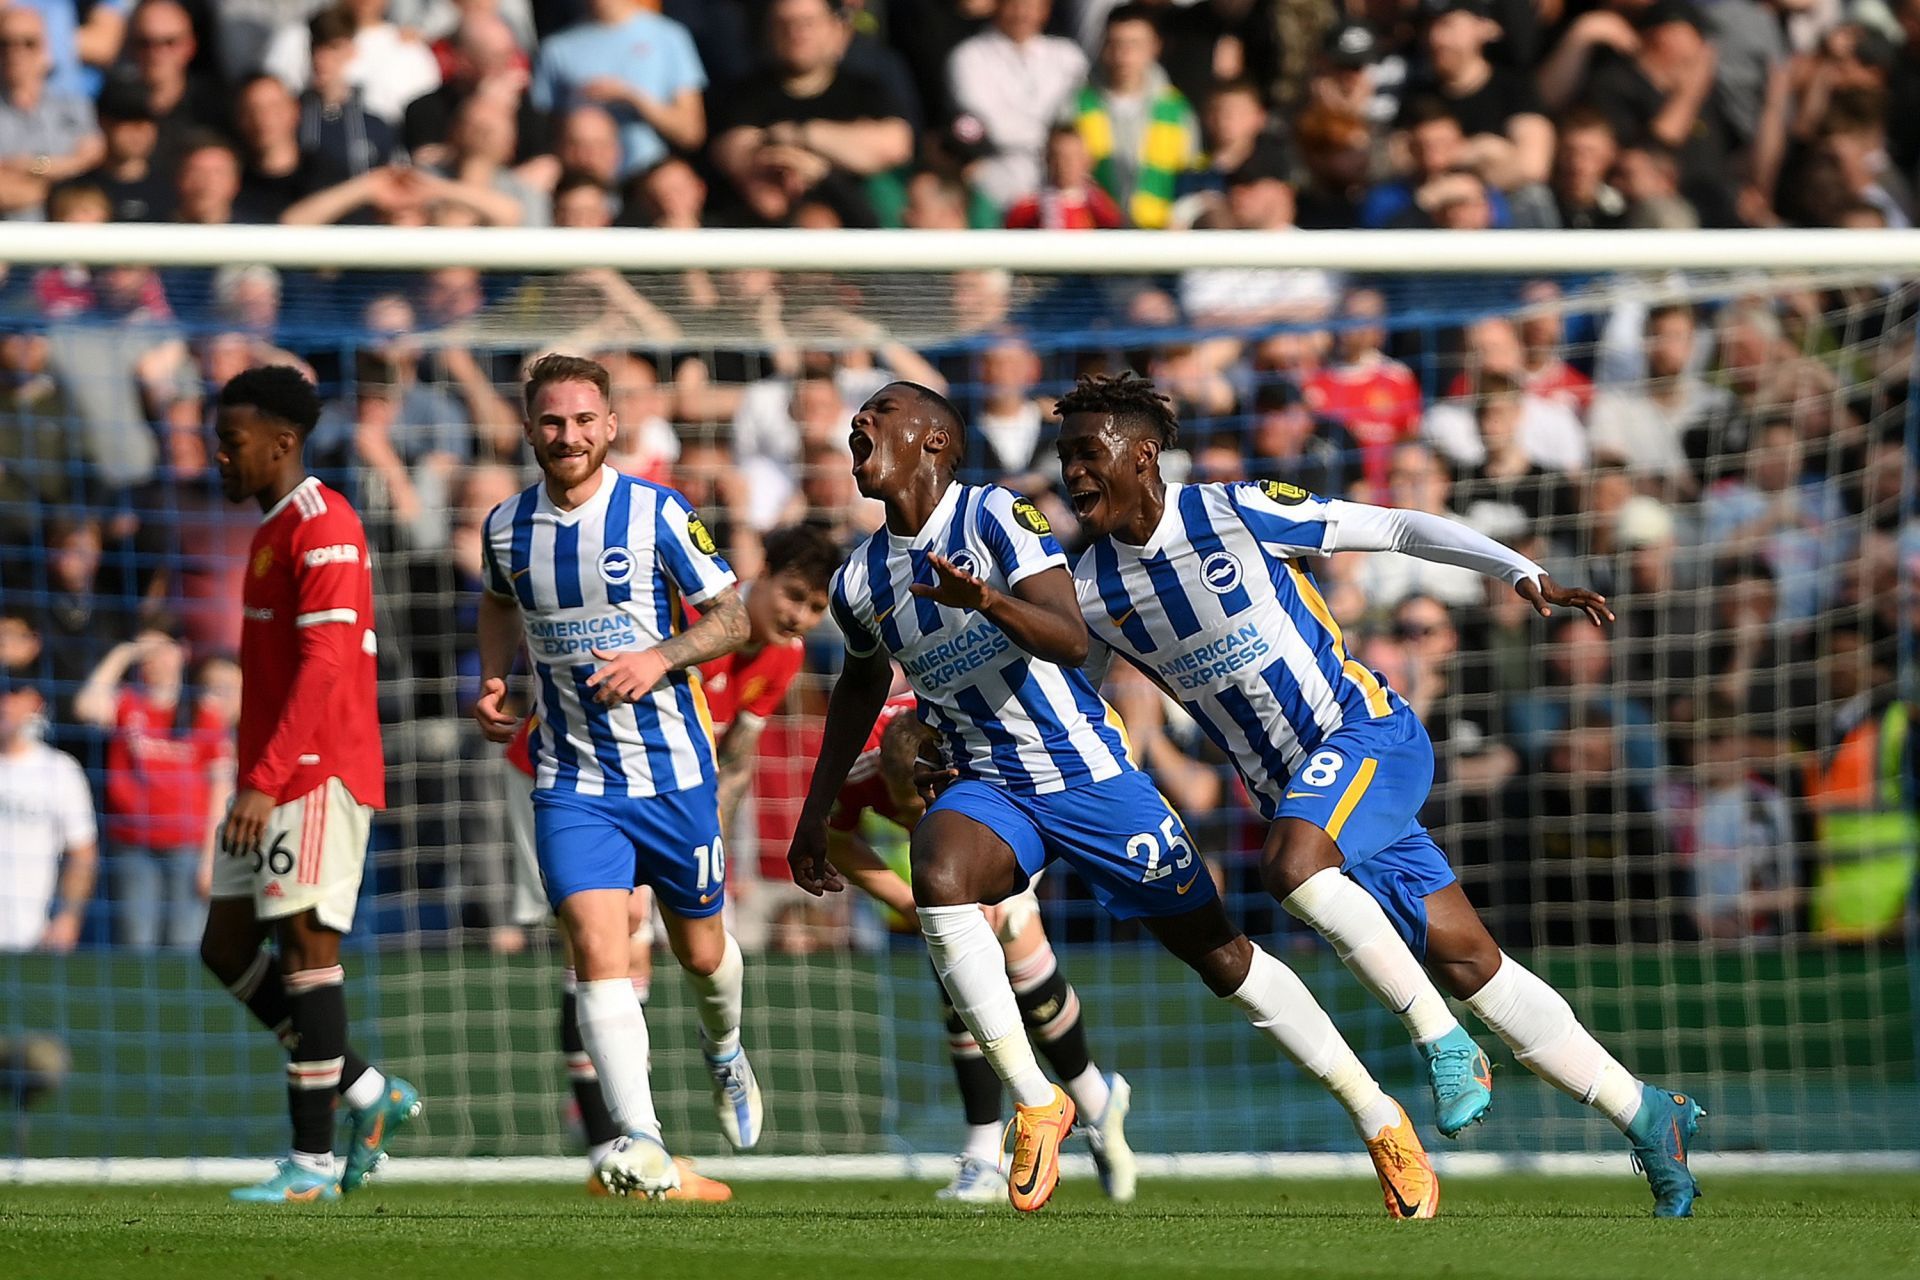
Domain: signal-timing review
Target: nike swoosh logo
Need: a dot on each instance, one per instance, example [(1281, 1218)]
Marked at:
[(1033, 1173), (1189, 884), (881, 615), (518, 574), (1121, 621), (1406, 1210), (1303, 795), (705, 898)]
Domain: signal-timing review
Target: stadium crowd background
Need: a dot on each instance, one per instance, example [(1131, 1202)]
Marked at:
[(1733, 468)]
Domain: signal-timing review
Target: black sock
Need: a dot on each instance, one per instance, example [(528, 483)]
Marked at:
[(979, 1086), (318, 1004), (1051, 1010), (263, 990), (596, 1118)]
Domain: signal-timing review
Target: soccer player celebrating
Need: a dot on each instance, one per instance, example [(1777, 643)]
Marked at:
[(743, 688), (591, 568), (310, 776), (882, 782), (967, 589), (1199, 586)]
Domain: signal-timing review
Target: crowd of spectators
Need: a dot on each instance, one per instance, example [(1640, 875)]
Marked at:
[(1730, 462)]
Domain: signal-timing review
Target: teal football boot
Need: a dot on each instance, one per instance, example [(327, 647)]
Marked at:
[(1462, 1081), (374, 1128), (1659, 1134)]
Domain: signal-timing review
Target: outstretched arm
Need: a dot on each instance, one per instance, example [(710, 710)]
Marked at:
[(857, 698), (1356, 526), (1041, 613)]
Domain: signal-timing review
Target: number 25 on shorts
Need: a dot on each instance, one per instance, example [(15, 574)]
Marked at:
[(1171, 841)]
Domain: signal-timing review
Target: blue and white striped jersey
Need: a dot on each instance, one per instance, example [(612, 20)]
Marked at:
[(611, 574), (1007, 717), (1214, 607)]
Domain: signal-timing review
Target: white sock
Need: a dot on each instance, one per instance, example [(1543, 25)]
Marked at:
[(614, 1031), (365, 1091), (320, 1162), (983, 1143), (967, 956), (1539, 1026), (596, 1153), (1089, 1093), (1279, 1004), (1361, 935), (716, 999)]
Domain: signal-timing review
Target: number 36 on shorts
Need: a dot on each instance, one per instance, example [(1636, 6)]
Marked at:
[(1165, 853)]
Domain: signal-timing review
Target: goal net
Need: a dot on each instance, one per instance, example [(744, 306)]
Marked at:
[(1698, 825)]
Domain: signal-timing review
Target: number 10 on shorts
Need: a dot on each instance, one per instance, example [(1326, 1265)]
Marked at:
[(710, 861), (1172, 842)]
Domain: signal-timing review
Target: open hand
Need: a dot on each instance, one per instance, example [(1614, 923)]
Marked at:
[(246, 826), (807, 859), (490, 712), (627, 676), (956, 588), (1545, 593)]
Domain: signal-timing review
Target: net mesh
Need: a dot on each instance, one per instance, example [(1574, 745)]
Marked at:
[(1698, 828)]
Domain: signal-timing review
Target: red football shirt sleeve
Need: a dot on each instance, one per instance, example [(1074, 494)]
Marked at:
[(329, 564)]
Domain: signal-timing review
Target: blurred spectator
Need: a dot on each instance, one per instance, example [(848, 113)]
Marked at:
[(48, 840), (1436, 144), (386, 66), (267, 123), (1508, 489), (1071, 200), (1745, 869), (1861, 788), (1549, 431), (183, 102), (1336, 151), (672, 194), (1366, 391), (1349, 78), (1013, 81), (340, 136), (478, 157), (647, 445), (169, 777), (1654, 427), (46, 135), (1583, 196), (1468, 754), (1288, 443), (82, 41), (485, 61), (402, 196), (1578, 676), (137, 187), (1235, 124), (1509, 141), (1258, 199), (207, 188), (1140, 131), (1648, 178), (639, 66), (41, 467), (1542, 340), (808, 119), (1417, 480), (1010, 430), (1787, 517)]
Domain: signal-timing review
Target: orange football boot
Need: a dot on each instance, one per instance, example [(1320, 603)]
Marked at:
[(1407, 1180), (1037, 1135)]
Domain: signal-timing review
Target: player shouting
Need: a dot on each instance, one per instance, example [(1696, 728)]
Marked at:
[(592, 568), (743, 689), (882, 782), (310, 776), (967, 589), (1199, 587)]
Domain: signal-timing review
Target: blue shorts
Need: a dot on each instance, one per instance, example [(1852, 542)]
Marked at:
[(1364, 786), (670, 841), (1120, 835)]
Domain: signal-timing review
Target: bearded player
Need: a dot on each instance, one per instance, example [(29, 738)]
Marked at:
[(743, 689), (591, 569), (967, 589), (882, 782), (311, 774), (1200, 587)]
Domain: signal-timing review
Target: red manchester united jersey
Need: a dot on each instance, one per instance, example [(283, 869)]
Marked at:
[(864, 788), (1378, 402), (753, 684), (307, 707)]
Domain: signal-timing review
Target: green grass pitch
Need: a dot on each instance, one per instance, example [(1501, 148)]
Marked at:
[(1753, 1228)]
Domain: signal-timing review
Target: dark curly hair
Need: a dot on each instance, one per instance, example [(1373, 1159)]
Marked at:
[(277, 391), (809, 552), (1131, 401)]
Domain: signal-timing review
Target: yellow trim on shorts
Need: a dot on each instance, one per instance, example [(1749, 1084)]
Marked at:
[(701, 708), (1119, 726), (1356, 790), (1376, 693)]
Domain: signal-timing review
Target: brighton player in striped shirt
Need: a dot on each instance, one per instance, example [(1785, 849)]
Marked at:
[(591, 570), (966, 588), (1200, 587), (310, 776)]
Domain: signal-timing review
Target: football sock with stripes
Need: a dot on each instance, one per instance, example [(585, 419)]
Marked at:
[(613, 1031), (979, 1087), (1539, 1026), (716, 1000), (1279, 1004), (967, 956), (262, 989), (1051, 1009), (1361, 935), (318, 1002)]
